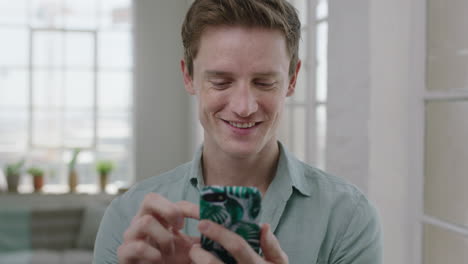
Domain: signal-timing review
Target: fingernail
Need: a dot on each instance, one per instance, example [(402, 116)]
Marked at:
[(269, 232), (271, 235), (180, 222), (203, 226)]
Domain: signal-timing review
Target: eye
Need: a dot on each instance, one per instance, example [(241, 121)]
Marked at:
[(265, 84), (221, 85)]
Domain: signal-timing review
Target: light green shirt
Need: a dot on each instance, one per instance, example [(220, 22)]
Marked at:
[(317, 218)]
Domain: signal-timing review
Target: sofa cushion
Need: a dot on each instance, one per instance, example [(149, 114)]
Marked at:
[(55, 229), (77, 256), (14, 230), (47, 257)]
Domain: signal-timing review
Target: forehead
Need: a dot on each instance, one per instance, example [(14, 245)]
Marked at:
[(242, 48)]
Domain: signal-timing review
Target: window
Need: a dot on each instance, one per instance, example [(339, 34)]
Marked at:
[(304, 128), (445, 101), (65, 83)]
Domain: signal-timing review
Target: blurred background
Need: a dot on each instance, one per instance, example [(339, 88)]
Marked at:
[(91, 94)]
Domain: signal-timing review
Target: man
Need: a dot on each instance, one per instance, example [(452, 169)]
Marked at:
[(241, 62)]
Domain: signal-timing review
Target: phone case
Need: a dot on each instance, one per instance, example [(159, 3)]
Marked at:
[(235, 207)]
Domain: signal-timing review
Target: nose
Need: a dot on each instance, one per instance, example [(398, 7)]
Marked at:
[(243, 101)]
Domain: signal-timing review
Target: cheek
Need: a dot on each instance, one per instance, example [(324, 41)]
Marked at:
[(273, 106), (210, 103)]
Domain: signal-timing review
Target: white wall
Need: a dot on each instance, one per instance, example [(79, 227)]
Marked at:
[(369, 113), (162, 121), (390, 26), (348, 91)]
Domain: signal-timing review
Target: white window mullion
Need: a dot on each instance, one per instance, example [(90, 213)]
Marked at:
[(461, 230), (30, 87), (310, 71), (95, 91), (446, 95), (291, 138), (64, 88)]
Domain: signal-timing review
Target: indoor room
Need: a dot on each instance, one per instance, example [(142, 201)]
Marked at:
[(93, 102)]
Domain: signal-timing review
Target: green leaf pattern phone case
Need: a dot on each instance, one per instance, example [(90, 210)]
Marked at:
[(236, 208)]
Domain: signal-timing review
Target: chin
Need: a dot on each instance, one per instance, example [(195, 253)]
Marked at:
[(241, 150)]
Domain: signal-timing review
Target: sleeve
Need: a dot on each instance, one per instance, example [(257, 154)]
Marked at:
[(361, 240), (109, 236)]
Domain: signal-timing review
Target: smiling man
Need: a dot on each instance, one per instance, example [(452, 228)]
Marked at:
[(241, 62)]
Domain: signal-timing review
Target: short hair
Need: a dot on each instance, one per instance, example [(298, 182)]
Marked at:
[(271, 14)]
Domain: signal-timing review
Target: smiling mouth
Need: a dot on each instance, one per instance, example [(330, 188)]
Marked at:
[(243, 125)]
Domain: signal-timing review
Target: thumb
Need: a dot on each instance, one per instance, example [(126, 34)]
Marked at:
[(270, 246), (184, 240)]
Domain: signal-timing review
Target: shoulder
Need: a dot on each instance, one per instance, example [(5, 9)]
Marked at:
[(314, 183), (342, 199), (328, 186), (165, 184), (352, 220)]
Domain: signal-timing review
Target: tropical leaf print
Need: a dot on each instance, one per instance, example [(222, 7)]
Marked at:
[(235, 210), (238, 210), (214, 212), (250, 232)]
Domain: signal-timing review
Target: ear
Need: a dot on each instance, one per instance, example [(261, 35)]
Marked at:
[(188, 81), (292, 81)]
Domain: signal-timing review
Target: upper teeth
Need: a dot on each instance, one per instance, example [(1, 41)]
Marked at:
[(242, 125)]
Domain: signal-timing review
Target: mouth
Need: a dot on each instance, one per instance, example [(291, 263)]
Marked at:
[(242, 125)]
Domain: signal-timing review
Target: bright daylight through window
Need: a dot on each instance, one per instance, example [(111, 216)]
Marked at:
[(305, 121), (66, 84)]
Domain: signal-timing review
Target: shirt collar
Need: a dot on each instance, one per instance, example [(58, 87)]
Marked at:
[(289, 173), (196, 173), (292, 169)]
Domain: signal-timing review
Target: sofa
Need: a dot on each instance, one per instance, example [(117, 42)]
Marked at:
[(49, 229)]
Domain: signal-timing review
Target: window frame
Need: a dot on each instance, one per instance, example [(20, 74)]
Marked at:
[(419, 97), (59, 164), (314, 152)]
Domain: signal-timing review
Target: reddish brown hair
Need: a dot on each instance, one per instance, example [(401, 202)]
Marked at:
[(271, 14)]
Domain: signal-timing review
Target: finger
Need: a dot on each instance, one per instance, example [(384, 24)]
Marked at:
[(189, 209), (270, 246), (183, 242), (166, 212), (232, 242), (200, 256), (188, 239), (147, 227), (138, 251), (195, 240)]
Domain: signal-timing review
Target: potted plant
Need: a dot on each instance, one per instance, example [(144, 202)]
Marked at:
[(13, 173), (72, 175), (104, 168), (38, 178)]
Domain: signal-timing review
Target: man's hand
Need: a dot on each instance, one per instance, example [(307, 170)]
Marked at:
[(153, 235), (238, 247)]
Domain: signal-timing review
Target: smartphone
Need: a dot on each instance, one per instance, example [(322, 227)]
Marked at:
[(235, 207)]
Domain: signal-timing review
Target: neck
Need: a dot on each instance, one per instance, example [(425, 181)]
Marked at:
[(257, 170)]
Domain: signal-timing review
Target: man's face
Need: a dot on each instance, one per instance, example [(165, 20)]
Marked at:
[(241, 80)]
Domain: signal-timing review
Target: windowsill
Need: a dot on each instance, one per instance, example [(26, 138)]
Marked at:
[(56, 189), (14, 201)]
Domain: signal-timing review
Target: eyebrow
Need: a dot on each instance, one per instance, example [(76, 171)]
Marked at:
[(210, 73), (216, 73), (267, 74)]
